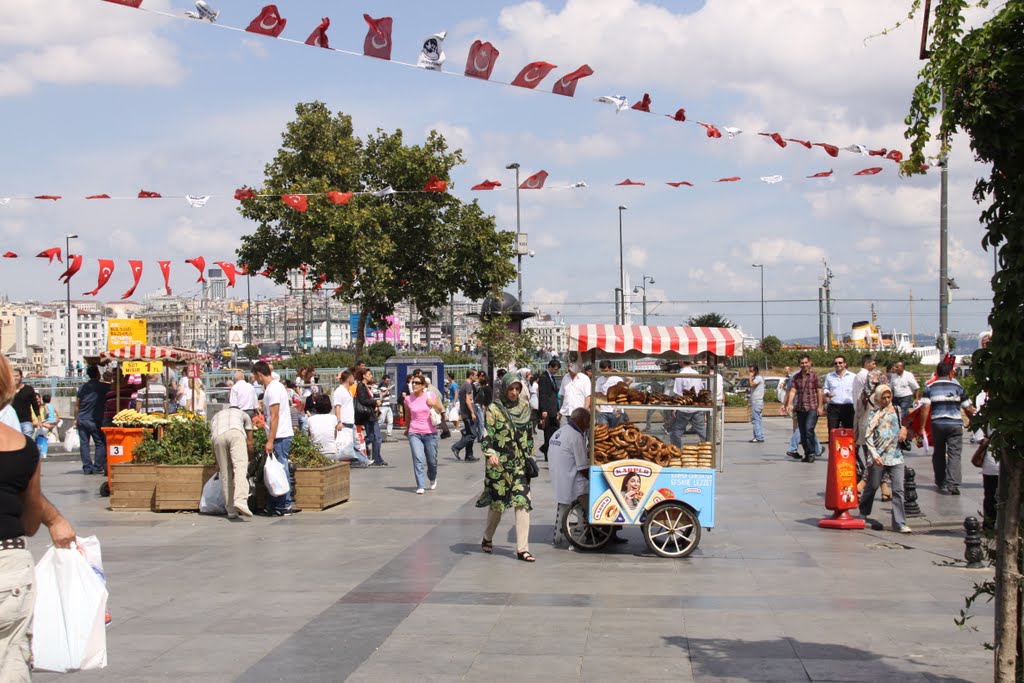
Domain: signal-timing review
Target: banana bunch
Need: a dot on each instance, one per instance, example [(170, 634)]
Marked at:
[(133, 418)]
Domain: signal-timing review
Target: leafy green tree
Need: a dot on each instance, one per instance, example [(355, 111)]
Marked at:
[(504, 345), (379, 352), (771, 345), (976, 76), (709, 320), (418, 247), (251, 351)]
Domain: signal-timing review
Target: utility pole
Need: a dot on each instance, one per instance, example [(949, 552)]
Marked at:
[(821, 318), (911, 317), (828, 306), (327, 311), (451, 319)]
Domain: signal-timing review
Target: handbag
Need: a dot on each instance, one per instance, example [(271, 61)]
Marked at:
[(275, 477), (978, 459), (531, 470)]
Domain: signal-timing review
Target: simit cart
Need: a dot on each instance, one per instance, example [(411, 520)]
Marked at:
[(637, 476)]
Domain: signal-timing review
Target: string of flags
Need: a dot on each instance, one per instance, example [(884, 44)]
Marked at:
[(480, 63)]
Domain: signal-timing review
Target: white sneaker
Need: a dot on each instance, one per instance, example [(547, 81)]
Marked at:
[(905, 529), (433, 485), (419, 491)]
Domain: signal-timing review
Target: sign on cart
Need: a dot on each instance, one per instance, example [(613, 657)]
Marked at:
[(142, 367), (123, 332), (194, 371)]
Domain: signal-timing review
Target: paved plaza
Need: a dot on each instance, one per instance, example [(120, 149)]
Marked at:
[(392, 586)]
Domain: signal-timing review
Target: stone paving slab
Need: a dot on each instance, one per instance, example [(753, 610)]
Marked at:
[(392, 586)]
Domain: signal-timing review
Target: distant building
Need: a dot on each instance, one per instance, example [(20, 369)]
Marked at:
[(217, 284)]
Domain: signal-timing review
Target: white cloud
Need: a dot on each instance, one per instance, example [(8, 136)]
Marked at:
[(636, 257), (782, 251), (547, 241), (458, 137), (546, 297)]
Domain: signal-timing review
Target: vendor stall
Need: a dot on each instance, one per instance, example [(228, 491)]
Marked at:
[(659, 477)]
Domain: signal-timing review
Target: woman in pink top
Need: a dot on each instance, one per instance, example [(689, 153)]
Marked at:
[(422, 433)]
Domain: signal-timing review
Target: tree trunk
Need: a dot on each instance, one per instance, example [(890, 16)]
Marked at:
[(1007, 616), (360, 336)]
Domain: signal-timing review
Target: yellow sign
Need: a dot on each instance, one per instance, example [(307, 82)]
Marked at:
[(125, 332), (142, 367)]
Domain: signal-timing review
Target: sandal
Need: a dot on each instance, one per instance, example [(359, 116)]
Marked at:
[(487, 546), (526, 556)]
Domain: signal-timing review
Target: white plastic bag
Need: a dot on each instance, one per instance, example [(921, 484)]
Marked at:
[(212, 500), (453, 413), (71, 603), (275, 478), (344, 444), (71, 442), (52, 437)]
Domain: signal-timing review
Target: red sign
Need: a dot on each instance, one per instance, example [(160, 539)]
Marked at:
[(841, 485), (194, 371)]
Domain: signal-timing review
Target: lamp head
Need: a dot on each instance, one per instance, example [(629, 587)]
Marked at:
[(622, 208), (512, 166), (651, 281), (757, 265), (71, 237)]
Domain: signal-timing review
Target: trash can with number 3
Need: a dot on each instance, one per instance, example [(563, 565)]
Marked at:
[(121, 441)]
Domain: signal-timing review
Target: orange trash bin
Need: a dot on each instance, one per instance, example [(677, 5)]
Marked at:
[(121, 441)]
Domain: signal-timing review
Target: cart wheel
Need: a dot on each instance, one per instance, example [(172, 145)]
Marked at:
[(581, 534), (105, 489), (672, 530)]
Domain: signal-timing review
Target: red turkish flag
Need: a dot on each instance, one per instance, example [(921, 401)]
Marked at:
[(481, 59), (243, 270), (10, 254), (145, 194), (165, 268), (378, 38), (106, 270), (486, 185), (126, 3), (731, 179), (200, 263), (74, 265), (627, 181), (268, 272), (776, 137), (532, 74), (711, 130), (51, 253), (318, 38), (268, 23), (805, 143), (680, 183), (644, 104), (566, 85), (435, 185), (52, 197), (869, 171), (680, 115), (319, 282), (534, 182), (98, 196), (229, 271), (296, 201), (136, 267), (832, 150), (339, 197), (877, 152), (895, 155), (244, 193), (821, 174)]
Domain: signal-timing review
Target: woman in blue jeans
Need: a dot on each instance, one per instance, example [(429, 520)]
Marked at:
[(422, 433)]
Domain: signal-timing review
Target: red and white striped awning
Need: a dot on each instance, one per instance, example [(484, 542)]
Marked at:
[(655, 340), (170, 354)]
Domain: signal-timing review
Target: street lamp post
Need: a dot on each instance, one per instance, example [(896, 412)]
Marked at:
[(519, 254), (248, 306), (67, 321), (645, 280), (761, 267), (621, 320)]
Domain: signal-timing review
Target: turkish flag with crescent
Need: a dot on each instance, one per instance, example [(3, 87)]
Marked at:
[(486, 185), (10, 254), (895, 155), (229, 271), (534, 182), (318, 38), (869, 171), (805, 143), (339, 197), (51, 253), (436, 185), (532, 74), (680, 115), (566, 85), (378, 37), (776, 137), (268, 23), (74, 265), (731, 179), (200, 263), (165, 268), (680, 183), (146, 194), (644, 104), (136, 267), (98, 196), (627, 181), (106, 270), (821, 174), (481, 59), (831, 150), (127, 3), (245, 193), (712, 131), (296, 201)]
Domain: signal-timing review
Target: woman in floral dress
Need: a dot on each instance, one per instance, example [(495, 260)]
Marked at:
[(507, 443)]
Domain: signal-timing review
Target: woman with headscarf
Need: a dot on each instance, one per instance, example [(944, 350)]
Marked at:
[(882, 436), (507, 443)]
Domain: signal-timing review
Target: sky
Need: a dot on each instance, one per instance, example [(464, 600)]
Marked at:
[(99, 98)]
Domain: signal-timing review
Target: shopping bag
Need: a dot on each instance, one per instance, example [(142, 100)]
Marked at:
[(344, 443), (71, 442), (453, 413), (275, 477), (212, 500), (71, 602), (52, 437)]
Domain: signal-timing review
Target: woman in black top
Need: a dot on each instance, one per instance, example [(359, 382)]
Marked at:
[(22, 509), (364, 396)]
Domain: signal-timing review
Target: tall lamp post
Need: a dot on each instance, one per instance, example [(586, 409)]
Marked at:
[(761, 267), (67, 255), (519, 251), (248, 306), (621, 317), (647, 279)]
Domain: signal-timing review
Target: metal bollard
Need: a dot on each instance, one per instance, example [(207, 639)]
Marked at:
[(910, 506), (972, 550)]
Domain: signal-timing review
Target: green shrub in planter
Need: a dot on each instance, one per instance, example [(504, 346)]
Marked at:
[(771, 396), (303, 454), (736, 401), (185, 441)]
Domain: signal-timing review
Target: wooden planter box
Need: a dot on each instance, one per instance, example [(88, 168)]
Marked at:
[(318, 489), (737, 413), (821, 431), (179, 487), (132, 487)]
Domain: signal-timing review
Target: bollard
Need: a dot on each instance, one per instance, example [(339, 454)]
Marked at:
[(972, 543), (910, 506)]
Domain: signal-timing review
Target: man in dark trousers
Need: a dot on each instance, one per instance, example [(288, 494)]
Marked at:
[(467, 415), (547, 402)]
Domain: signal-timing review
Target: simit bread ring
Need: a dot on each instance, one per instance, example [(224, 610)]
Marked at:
[(630, 437), (662, 458)]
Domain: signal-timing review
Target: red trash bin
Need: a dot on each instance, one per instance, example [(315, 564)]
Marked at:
[(121, 441)]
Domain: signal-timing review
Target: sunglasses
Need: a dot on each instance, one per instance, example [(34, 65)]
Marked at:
[(415, 383), (839, 362)]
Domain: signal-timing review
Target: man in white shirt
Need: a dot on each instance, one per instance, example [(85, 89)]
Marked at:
[(231, 431), (569, 460), (607, 414), (838, 389), (345, 410), (861, 409), (683, 418), (277, 414), (905, 389), (575, 391), (243, 395)]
